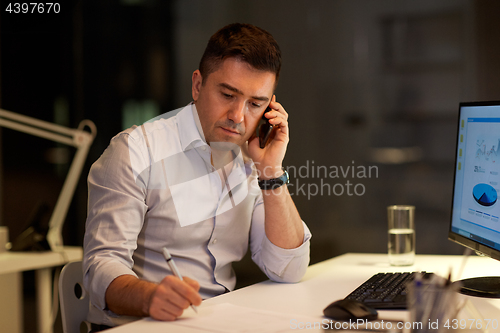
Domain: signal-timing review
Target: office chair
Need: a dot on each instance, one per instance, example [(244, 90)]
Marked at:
[(74, 298)]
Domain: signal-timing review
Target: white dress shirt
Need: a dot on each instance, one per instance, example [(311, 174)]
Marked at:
[(155, 187)]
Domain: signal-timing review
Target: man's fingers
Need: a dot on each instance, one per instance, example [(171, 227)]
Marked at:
[(188, 288), (172, 296), (179, 300), (162, 309)]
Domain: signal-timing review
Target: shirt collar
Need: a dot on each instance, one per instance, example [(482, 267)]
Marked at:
[(190, 132)]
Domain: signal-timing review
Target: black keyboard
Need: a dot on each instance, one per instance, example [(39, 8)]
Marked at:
[(385, 290)]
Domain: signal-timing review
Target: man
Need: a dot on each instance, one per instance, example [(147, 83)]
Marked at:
[(199, 184)]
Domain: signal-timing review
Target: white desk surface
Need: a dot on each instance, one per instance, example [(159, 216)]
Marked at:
[(334, 279), (12, 262)]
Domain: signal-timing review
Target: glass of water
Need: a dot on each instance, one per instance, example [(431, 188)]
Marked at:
[(401, 232)]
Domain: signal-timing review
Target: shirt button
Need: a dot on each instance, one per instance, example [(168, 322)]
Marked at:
[(203, 148), (214, 241)]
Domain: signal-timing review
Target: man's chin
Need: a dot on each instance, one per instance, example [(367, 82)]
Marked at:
[(227, 141), (225, 146)]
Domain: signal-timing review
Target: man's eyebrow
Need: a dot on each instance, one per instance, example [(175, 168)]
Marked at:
[(236, 90)]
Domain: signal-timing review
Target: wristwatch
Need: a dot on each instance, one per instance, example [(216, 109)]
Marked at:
[(271, 184)]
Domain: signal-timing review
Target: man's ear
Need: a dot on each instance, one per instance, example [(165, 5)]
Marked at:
[(197, 81)]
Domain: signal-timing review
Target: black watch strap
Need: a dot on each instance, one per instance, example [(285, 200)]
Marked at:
[(271, 184)]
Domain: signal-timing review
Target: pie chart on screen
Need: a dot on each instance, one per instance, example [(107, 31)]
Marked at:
[(484, 194)]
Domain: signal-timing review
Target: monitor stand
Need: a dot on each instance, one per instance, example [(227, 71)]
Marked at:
[(485, 286)]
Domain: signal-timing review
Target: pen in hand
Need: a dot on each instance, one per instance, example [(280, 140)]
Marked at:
[(173, 268)]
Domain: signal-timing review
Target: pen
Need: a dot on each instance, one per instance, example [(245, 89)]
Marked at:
[(173, 268)]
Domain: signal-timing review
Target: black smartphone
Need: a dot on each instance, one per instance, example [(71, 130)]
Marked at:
[(264, 129)]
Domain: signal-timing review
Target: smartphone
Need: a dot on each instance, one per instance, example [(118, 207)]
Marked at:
[(264, 129)]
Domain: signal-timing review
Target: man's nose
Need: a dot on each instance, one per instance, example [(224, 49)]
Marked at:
[(237, 112)]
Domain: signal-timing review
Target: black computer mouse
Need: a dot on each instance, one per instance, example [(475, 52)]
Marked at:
[(348, 309)]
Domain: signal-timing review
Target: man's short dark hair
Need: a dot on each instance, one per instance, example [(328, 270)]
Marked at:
[(246, 42)]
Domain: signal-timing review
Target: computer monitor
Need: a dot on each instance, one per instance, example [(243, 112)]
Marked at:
[(475, 218)]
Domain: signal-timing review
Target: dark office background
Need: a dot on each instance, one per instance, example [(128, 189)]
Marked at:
[(368, 84)]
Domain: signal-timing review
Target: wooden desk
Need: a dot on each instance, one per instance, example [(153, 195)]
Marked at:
[(12, 264), (331, 280)]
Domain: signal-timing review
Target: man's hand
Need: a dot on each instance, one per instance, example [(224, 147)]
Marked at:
[(130, 296), (269, 159), (172, 297)]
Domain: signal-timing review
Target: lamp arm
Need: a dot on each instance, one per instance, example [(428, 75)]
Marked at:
[(19, 118), (73, 137), (46, 130)]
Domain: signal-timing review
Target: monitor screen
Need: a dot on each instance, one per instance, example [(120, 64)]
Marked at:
[(475, 220)]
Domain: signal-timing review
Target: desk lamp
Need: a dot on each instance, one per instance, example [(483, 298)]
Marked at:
[(72, 137)]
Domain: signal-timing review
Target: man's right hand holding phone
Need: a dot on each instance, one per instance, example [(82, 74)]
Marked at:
[(268, 160)]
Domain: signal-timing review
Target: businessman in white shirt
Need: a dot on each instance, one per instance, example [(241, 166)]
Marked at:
[(197, 182)]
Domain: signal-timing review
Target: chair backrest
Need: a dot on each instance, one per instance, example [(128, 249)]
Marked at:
[(74, 298)]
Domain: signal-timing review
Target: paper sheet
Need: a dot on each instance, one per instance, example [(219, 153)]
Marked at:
[(231, 318)]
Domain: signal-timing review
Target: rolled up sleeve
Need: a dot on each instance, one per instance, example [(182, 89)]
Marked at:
[(280, 265)]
